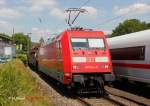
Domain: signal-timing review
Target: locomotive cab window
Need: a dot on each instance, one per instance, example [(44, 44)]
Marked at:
[(79, 43), (87, 43), (96, 43)]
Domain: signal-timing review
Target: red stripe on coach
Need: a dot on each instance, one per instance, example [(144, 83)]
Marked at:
[(146, 66)]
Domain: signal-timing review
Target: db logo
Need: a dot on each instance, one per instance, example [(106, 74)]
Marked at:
[(90, 59)]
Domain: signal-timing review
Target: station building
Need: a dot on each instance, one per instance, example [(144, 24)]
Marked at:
[(5, 41), (7, 49)]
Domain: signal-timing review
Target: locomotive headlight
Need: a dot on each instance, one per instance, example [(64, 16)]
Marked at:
[(67, 74), (105, 66), (101, 59)]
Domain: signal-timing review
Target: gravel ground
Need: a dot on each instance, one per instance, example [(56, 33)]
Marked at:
[(60, 99), (53, 95)]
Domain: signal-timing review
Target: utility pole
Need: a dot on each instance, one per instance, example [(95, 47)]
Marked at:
[(13, 32), (28, 39)]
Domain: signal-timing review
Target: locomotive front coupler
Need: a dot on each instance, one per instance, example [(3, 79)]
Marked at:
[(88, 82)]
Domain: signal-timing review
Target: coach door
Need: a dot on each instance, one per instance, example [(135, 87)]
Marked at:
[(59, 61)]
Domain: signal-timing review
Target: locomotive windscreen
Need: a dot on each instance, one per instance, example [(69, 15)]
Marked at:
[(87, 43)]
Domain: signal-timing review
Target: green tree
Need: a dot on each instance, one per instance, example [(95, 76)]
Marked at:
[(148, 25), (130, 26), (22, 41)]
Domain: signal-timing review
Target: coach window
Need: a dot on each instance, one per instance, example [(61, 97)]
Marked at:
[(58, 45), (129, 53)]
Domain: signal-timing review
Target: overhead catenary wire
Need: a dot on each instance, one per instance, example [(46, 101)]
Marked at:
[(117, 17), (112, 19), (40, 20), (85, 3)]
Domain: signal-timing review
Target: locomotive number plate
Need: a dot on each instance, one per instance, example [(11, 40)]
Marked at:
[(90, 59)]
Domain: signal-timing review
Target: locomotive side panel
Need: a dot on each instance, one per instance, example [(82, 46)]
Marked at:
[(54, 59), (48, 61), (59, 61)]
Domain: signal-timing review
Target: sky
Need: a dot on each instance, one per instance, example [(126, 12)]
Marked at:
[(45, 18)]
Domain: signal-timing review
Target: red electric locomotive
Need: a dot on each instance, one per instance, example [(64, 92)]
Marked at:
[(77, 58)]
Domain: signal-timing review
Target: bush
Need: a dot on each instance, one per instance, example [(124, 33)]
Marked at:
[(22, 57)]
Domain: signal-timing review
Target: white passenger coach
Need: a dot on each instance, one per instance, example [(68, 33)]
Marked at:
[(131, 56)]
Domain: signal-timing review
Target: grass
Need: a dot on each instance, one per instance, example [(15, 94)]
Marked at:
[(18, 87)]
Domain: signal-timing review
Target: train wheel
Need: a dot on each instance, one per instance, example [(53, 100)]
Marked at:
[(28, 63), (37, 67), (110, 84), (100, 87)]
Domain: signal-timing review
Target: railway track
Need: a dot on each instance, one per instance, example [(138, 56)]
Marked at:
[(82, 100), (128, 96), (115, 97), (105, 101)]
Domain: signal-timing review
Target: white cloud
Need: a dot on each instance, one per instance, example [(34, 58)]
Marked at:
[(5, 26), (6, 10), (137, 8), (40, 5), (37, 6), (37, 33), (44, 2), (91, 10), (9, 13), (58, 13), (46, 33), (2, 2)]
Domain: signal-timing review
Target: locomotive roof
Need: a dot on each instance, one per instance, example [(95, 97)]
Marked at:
[(132, 39), (76, 31), (70, 31)]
